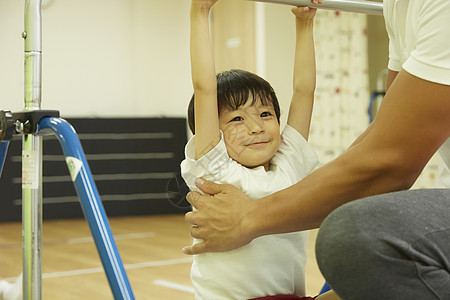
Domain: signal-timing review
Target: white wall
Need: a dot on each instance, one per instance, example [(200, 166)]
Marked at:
[(279, 53), (102, 57), (123, 57)]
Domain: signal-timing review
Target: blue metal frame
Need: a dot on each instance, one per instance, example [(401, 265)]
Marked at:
[(91, 204), (3, 149)]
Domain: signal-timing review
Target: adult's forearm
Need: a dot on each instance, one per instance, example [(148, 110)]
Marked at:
[(306, 204)]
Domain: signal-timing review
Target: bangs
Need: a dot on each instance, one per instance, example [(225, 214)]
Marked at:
[(237, 99)]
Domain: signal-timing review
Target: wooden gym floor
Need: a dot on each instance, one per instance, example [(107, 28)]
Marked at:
[(150, 247)]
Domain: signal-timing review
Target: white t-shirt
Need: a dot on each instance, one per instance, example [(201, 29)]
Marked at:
[(269, 265), (419, 42)]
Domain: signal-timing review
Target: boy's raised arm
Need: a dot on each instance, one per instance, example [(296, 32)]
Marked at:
[(304, 82), (203, 78)]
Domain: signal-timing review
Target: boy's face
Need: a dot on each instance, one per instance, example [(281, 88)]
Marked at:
[(251, 133)]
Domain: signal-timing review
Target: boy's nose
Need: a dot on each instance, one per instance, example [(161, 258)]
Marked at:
[(255, 127)]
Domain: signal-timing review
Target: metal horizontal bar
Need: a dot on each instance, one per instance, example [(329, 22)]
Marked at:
[(366, 7)]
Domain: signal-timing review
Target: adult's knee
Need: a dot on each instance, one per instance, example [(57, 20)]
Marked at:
[(380, 226), (342, 238), (375, 248), (349, 243)]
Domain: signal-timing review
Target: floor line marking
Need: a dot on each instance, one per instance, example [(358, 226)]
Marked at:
[(174, 286), (158, 263), (88, 239), (141, 265)]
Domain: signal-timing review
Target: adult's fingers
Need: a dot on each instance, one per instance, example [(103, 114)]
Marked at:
[(196, 232), (195, 249), (196, 228), (209, 187), (189, 217), (194, 198)]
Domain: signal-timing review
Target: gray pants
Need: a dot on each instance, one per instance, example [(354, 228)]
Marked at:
[(391, 246)]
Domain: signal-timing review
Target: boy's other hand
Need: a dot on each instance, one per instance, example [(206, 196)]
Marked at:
[(305, 12), (203, 3)]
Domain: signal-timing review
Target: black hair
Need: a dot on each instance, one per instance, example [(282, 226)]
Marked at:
[(234, 87)]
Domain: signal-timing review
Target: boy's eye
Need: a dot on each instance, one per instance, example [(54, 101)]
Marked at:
[(237, 119), (266, 114)]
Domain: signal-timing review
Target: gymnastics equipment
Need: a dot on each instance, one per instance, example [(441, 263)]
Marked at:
[(32, 124), (366, 7)]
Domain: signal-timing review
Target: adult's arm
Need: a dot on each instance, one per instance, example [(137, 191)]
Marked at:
[(411, 125)]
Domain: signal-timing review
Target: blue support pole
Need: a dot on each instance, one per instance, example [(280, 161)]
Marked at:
[(3, 150), (91, 204)]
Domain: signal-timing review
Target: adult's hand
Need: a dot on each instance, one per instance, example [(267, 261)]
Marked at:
[(220, 219)]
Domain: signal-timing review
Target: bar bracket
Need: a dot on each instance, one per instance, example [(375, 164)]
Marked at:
[(6, 125), (26, 122)]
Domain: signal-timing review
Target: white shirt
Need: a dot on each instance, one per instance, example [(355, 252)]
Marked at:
[(269, 265), (419, 42)]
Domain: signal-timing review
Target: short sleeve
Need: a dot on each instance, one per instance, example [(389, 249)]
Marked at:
[(430, 59), (297, 152), (212, 163)]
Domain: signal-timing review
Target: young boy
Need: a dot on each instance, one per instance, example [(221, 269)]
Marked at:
[(235, 119)]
